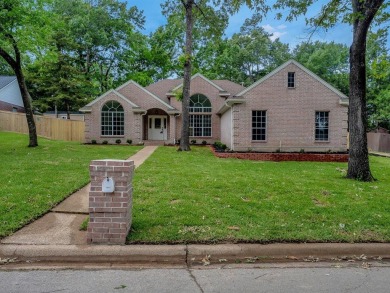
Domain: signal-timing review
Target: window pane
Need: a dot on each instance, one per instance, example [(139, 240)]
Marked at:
[(157, 123), (112, 119), (199, 104), (322, 126), (291, 79), (200, 125), (259, 125)]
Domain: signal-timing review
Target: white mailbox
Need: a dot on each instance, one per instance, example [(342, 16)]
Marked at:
[(108, 185)]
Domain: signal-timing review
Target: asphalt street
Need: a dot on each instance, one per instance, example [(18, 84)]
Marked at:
[(323, 279)]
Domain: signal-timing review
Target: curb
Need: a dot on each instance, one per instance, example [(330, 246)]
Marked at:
[(135, 254), (187, 255), (288, 252)]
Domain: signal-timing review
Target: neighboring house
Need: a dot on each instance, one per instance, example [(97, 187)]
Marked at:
[(79, 116), (290, 109), (10, 97)]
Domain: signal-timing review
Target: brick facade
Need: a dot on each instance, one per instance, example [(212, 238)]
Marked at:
[(110, 214), (93, 122), (290, 115), (290, 111), (199, 85), (281, 157)]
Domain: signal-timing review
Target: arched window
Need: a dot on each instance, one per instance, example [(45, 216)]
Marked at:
[(113, 122), (200, 116)]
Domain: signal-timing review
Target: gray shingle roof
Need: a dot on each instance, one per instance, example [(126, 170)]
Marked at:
[(162, 87), (229, 86), (5, 80)]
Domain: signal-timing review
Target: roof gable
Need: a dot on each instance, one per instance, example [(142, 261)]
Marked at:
[(87, 108), (162, 87), (6, 80), (146, 91), (229, 86), (203, 77), (343, 98)]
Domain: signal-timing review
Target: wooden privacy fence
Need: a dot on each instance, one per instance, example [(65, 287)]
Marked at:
[(379, 142), (57, 129)]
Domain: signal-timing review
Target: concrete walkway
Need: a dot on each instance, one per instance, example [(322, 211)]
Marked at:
[(380, 154), (61, 225)]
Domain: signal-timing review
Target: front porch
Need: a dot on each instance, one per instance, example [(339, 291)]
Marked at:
[(158, 127)]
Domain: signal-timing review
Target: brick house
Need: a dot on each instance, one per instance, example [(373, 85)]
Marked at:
[(289, 109)]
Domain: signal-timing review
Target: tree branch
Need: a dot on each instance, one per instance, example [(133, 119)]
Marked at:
[(7, 57)]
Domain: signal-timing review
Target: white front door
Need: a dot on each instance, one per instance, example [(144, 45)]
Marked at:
[(157, 127)]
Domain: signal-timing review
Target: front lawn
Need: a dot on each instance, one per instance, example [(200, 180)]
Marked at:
[(187, 197), (33, 180)]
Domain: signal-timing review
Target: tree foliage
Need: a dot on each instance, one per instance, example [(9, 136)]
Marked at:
[(85, 52), (23, 26), (330, 61)]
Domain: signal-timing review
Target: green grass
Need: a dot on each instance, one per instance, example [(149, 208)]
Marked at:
[(33, 180), (189, 197), (84, 224)]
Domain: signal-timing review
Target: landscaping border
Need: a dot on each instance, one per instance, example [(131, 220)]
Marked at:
[(282, 157)]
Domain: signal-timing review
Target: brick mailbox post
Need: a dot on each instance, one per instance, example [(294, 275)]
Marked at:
[(110, 211)]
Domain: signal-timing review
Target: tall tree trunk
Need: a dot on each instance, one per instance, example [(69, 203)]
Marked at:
[(185, 127), (67, 111), (17, 68), (32, 130), (358, 163)]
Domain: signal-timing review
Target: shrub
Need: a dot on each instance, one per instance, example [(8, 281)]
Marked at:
[(302, 151), (129, 141), (93, 141), (220, 146), (193, 141), (118, 141), (204, 142), (277, 151), (105, 142)]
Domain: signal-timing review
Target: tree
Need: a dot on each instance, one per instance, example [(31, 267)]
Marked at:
[(22, 28), (330, 61), (209, 14), (359, 13), (56, 80), (86, 50), (244, 58), (185, 133), (358, 163)]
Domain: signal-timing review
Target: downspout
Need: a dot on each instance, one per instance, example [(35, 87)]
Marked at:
[(231, 125), (174, 139), (142, 126)]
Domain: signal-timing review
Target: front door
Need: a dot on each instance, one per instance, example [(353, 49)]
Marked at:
[(157, 127)]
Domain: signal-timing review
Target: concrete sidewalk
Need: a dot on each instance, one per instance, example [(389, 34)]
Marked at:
[(61, 225), (380, 154)]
